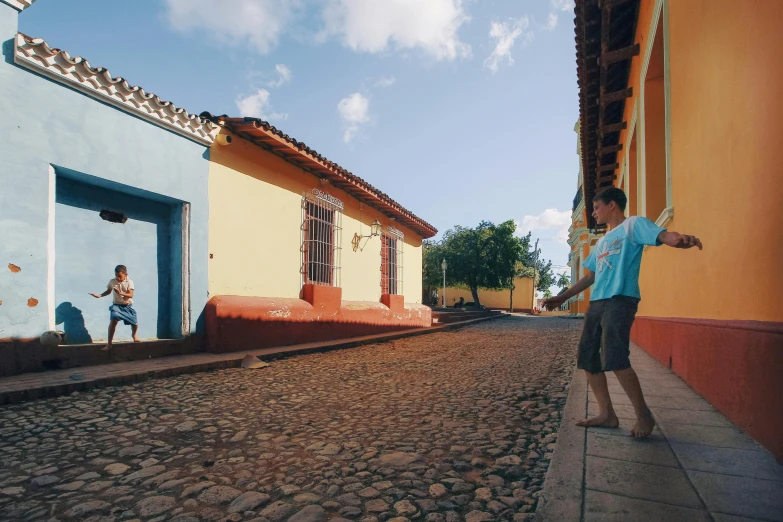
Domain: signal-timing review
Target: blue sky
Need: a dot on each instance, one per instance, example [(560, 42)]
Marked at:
[(461, 110)]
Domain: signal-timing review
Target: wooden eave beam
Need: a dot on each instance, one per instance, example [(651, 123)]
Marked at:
[(608, 4), (626, 53), (608, 168), (610, 149), (615, 127), (615, 96)]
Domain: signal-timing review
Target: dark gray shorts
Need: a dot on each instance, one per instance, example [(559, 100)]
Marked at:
[(606, 338)]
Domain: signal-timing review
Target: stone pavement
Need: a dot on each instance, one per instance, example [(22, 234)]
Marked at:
[(696, 466), (449, 427), (52, 383)]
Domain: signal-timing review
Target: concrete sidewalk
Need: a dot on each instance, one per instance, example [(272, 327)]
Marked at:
[(697, 466), (30, 386)]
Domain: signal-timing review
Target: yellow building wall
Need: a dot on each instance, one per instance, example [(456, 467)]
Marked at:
[(726, 162), (254, 230), (523, 295)]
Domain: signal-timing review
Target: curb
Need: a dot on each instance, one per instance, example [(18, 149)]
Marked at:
[(562, 498), (34, 386)]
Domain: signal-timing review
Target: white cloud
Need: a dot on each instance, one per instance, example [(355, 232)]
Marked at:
[(257, 106), (563, 5), (385, 81), (354, 111), (255, 22), (505, 35), (376, 25), (284, 76), (551, 21), (551, 220)]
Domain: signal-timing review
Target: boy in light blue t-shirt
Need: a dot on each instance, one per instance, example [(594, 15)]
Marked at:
[(613, 268)]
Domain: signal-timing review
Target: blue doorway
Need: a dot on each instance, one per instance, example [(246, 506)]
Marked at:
[(138, 232)]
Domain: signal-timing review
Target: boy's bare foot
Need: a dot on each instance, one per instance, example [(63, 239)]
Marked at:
[(607, 420), (106, 348), (136, 339), (644, 426)]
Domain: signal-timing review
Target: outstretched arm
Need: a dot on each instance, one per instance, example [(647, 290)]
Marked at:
[(104, 294), (677, 240), (578, 288)]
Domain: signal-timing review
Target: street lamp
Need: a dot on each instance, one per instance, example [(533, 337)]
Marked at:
[(443, 266)]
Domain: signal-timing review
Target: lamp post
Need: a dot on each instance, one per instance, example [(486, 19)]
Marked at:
[(443, 266), (535, 266)]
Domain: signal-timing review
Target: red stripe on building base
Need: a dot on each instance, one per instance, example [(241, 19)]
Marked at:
[(736, 365)]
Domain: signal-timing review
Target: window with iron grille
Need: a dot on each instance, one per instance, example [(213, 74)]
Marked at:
[(391, 261), (321, 234)]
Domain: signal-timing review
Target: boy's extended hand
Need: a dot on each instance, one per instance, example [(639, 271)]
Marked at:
[(677, 240), (553, 302), (96, 296)]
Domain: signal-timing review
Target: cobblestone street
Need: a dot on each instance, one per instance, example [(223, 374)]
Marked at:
[(444, 427)]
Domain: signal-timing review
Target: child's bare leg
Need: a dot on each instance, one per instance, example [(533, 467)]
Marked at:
[(606, 417), (134, 329), (112, 328), (644, 419)]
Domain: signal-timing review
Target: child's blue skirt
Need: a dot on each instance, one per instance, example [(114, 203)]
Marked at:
[(124, 313)]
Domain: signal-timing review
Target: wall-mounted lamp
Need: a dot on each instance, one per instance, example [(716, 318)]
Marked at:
[(375, 230), (113, 217)]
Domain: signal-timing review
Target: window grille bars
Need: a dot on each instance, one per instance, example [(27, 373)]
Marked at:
[(321, 237), (392, 241)]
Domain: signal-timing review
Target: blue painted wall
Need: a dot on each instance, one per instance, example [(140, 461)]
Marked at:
[(87, 248), (45, 124)]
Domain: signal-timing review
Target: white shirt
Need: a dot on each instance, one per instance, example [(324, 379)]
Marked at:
[(125, 287)]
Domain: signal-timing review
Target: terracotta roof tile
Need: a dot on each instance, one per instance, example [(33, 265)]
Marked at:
[(37, 55), (273, 139)]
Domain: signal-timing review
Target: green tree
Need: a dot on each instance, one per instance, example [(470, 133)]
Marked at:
[(563, 281), (432, 273), (481, 257), (544, 275)]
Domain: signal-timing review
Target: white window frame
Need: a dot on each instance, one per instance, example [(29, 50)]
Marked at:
[(326, 204), (399, 239), (667, 215)]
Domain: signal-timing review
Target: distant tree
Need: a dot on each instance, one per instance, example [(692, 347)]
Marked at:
[(563, 281), (481, 257), (545, 276), (432, 273), (488, 256), (547, 294)]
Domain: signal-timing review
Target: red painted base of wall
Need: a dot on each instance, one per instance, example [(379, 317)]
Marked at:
[(736, 365), (243, 323), (29, 355)]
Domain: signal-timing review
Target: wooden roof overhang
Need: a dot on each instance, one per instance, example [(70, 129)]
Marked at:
[(605, 32), (273, 140)]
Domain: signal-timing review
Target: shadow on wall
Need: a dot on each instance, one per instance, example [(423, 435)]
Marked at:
[(73, 323)]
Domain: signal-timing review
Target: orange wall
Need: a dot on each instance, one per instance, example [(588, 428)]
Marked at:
[(727, 161)]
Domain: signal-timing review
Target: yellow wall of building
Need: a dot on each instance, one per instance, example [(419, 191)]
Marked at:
[(726, 162), (523, 295), (254, 230)]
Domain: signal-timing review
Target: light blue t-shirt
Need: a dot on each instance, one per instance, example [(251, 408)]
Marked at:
[(617, 257)]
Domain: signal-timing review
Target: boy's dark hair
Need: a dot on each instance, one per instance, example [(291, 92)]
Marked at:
[(120, 269), (610, 194)]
